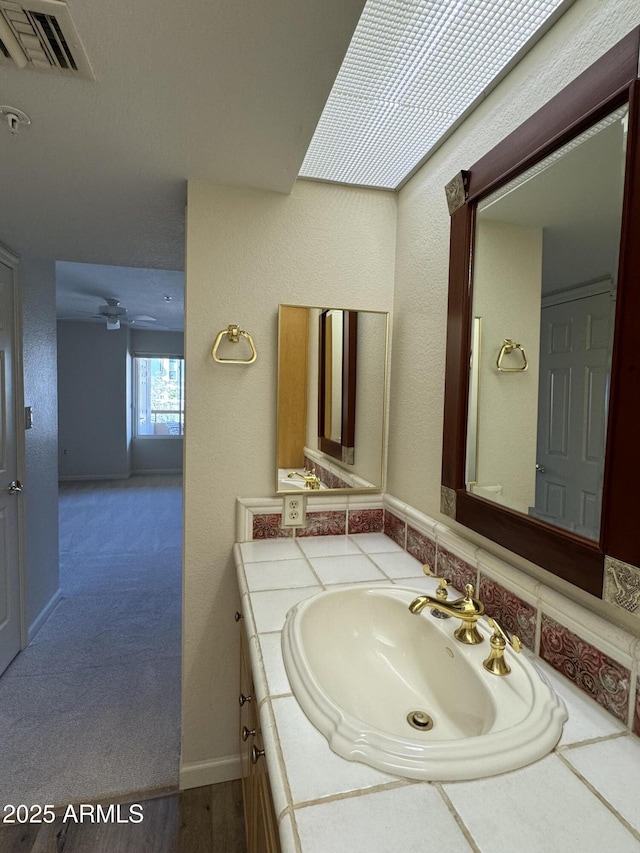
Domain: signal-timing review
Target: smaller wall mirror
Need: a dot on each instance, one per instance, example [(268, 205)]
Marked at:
[(332, 390)]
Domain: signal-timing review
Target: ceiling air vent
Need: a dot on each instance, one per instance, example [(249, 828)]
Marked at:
[(39, 34)]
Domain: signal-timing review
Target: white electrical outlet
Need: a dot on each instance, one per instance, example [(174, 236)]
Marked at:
[(294, 511)]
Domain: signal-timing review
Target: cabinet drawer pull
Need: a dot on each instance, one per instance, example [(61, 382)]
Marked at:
[(247, 733), (238, 616), (256, 754), (242, 699)]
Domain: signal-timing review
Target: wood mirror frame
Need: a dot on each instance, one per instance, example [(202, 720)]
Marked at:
[(343, 449), (606, 85)]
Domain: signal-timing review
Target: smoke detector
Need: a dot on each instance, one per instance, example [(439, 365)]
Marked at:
[(14, 118)]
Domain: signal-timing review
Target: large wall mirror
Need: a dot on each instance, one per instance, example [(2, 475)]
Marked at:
[(543, 374), (332, 389)]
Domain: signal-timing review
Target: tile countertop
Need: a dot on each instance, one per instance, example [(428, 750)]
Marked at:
[(583, 796)]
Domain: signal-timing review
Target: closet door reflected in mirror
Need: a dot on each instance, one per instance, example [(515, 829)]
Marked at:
[(332, 389), (544, 278)]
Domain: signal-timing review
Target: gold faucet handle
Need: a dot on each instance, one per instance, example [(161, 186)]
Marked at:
[(442, 592), (472, 606), (426, 569), (499, 632)]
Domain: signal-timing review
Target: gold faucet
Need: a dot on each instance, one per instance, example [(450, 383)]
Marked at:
[(467, 608), (498, 641), (311, 479), (442, 595)]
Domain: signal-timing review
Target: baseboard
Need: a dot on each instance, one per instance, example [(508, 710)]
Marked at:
[(44, 614), (195, 774), (69, 478)]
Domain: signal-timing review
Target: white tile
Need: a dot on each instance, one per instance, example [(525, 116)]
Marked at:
[(313, 769), (382, 582), (587, 719), (327, 546), (261, 550), (259, 679), (277, 781), (613, 768), (411, 819), (543, 807), (398, 564), (374, 543), (270, 608), (279, 574), (277, 680), (348, 569), (245, 610), (287, 837)]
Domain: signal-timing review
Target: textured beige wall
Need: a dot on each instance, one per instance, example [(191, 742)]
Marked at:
[(585, 32), (247, 251)]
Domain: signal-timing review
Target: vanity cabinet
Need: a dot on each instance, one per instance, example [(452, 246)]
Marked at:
[(259, 815)]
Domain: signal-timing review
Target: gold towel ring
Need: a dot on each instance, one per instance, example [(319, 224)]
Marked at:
[(233, 333), (507, 347)]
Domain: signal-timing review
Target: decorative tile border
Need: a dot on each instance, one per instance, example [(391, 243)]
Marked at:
[(457, 571), (395, 528), (622, 585), (601, 677), (514, 614), (366, 520), (259, 518), (421, 547), (267, 526), (328, 523)]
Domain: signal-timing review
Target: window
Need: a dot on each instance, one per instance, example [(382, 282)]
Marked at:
[(159, 396)]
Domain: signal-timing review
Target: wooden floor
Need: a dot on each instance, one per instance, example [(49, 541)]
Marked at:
[(199, 820)]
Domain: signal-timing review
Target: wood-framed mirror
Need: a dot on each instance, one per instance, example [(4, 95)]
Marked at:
[(338, 372), (496, 347)]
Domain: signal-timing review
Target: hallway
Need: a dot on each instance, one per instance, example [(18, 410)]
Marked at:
[(91, 708)]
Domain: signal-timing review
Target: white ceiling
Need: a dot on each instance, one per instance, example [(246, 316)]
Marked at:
[(81, 289), (227, 92)]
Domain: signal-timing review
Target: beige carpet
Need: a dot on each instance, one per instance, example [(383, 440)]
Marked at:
[(91, 708)]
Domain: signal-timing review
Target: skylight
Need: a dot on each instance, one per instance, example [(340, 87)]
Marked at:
[(414, 67)]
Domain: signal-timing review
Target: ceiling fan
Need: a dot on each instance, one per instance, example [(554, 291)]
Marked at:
[(115, 314)]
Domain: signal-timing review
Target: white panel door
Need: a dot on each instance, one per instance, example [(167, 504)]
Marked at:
[(575, 355), (9, 498)]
